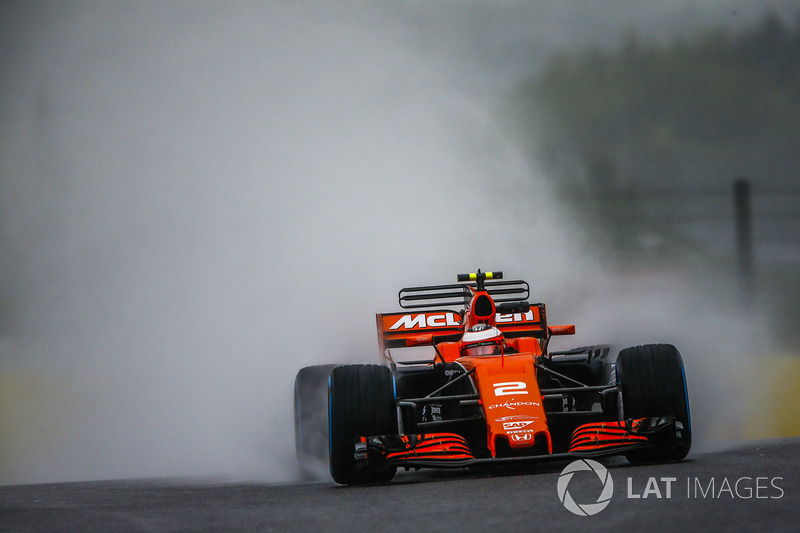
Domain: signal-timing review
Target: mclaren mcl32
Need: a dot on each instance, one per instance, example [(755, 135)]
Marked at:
[(487, 390)]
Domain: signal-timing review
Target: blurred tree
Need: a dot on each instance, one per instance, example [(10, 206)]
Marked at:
[(689, 113), (616, 129)]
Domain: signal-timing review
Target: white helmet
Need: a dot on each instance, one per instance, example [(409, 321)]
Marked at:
[(482, 340)]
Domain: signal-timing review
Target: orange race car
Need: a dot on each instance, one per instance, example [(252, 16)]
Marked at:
[(488, 392)]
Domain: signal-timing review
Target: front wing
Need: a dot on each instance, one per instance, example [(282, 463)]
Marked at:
[(450, 450)]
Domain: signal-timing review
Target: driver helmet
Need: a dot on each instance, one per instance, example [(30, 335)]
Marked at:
[(482, 340)]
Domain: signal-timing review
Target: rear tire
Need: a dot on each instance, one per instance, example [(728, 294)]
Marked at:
[(361, 402), (311, 420), (653, 383)]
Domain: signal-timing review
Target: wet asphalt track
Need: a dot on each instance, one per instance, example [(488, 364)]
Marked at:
[(449, 501)]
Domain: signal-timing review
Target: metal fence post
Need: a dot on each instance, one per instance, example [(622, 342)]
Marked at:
[(744, 236)]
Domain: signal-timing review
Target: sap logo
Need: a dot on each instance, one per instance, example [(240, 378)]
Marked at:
[(423, 320), (516, 425), (522, 438)]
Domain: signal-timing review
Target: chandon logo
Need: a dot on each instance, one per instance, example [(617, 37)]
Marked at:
[(512, 405), (586, 509)]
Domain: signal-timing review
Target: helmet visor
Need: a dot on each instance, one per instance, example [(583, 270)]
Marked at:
[(483, 348)]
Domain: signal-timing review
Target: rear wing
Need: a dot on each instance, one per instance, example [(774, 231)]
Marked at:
[(432, 326)]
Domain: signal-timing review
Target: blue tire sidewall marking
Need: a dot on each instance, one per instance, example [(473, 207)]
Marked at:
[(330, 424), (686, 396), (299, 415)]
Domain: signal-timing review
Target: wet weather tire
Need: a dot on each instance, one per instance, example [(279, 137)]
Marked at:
[(361, 402), (653, 383)]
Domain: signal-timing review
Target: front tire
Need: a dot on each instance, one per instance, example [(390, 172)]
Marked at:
[(361, 402), (653, 383)]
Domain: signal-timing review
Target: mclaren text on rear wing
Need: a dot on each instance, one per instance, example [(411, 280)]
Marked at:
[(396, 330)]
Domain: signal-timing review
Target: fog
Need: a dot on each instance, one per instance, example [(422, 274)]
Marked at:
[(197, 201)]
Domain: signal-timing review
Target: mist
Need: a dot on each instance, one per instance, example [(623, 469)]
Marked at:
[(198, 201)]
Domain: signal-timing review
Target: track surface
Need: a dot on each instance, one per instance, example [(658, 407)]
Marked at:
[(448, 501)]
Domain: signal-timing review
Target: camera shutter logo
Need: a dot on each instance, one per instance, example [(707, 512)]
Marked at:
[(586, 509)]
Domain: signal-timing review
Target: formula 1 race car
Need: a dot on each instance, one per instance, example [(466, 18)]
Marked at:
[(490, 392)]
